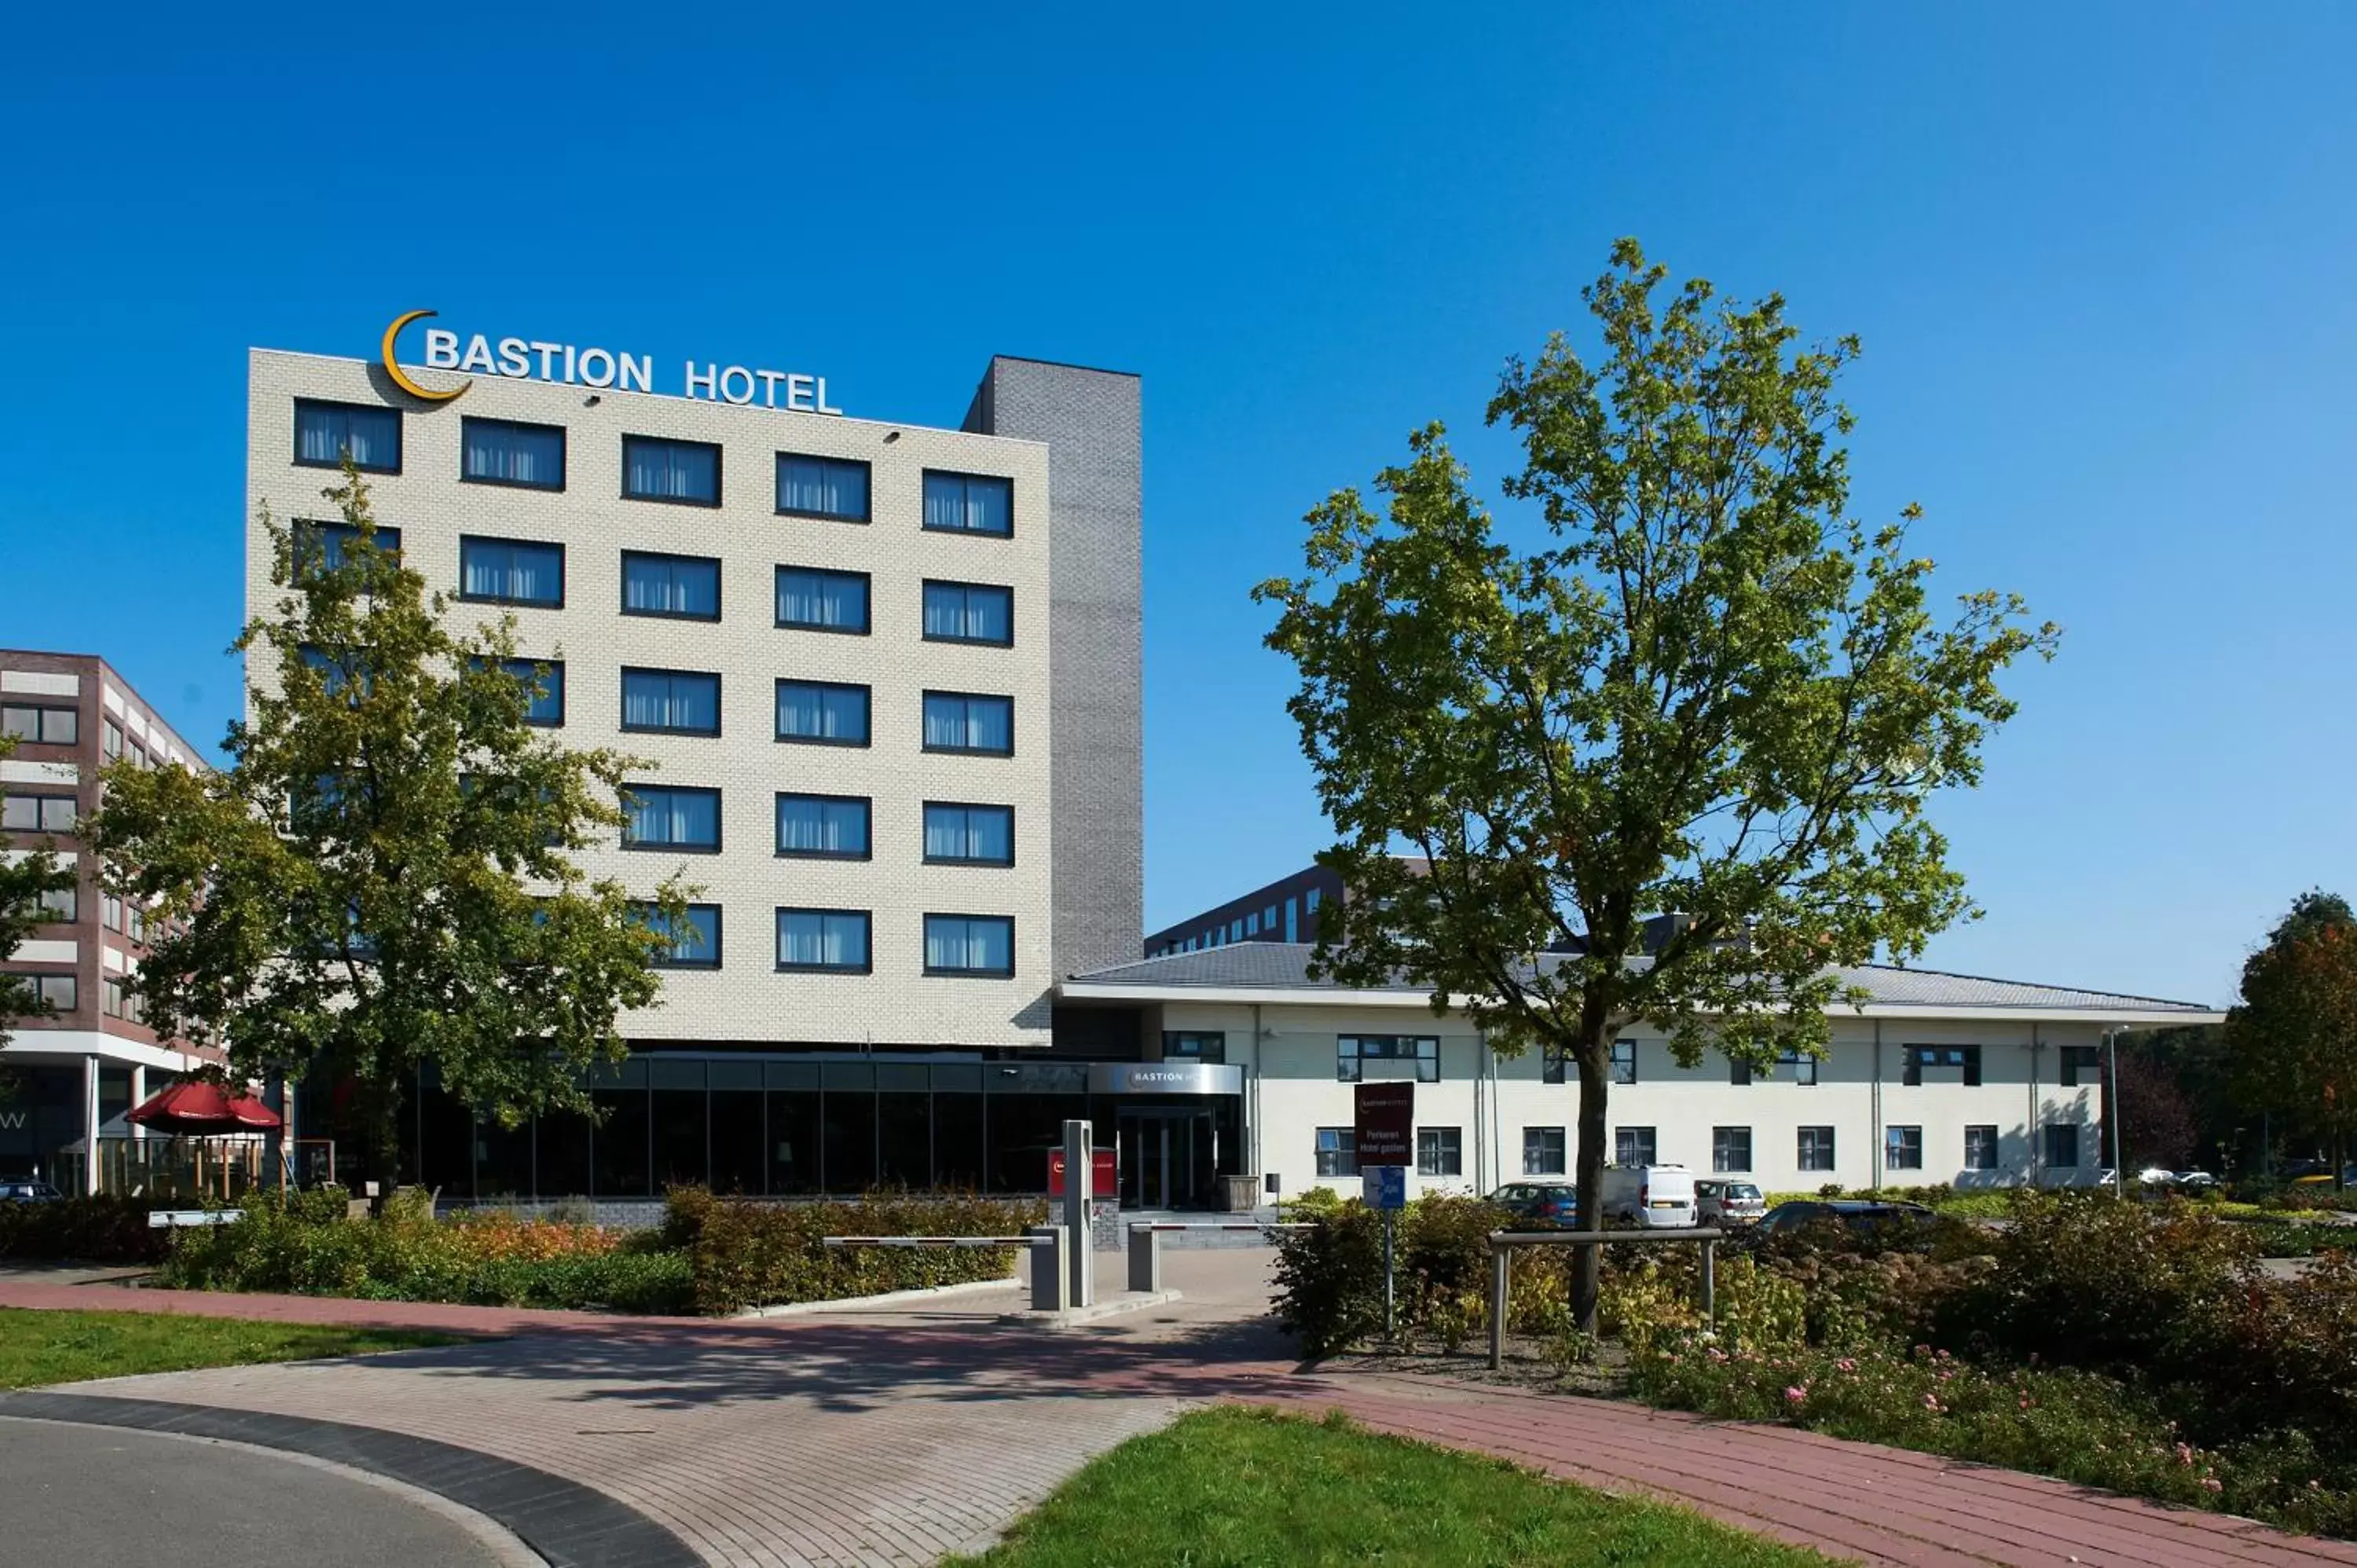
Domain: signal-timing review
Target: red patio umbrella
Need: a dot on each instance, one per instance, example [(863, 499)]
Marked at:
[(196, 1108)]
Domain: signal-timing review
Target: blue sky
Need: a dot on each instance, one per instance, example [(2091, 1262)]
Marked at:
[(2100, 256)]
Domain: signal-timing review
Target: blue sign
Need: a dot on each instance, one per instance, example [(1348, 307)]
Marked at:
[(1386, 1186)]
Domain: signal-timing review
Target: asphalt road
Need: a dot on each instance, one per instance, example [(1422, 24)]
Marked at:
[(104, 1494)]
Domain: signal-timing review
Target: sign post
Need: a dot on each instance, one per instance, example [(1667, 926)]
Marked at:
[(1385, 1141), (1079, 1169)]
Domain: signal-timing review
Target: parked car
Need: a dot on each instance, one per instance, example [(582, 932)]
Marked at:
[(1864, 1215), (29, 1189), (1656, 1196), (1540, 1204), (1728, 1203)]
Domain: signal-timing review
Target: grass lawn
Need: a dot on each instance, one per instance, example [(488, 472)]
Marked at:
[(1225, 1487), (38, 1347)]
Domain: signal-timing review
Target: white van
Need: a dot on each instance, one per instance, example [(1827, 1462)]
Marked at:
[(1656, 1196)]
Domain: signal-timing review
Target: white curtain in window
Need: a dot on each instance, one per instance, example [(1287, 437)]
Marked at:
[(834, 599), (811, 826), (837, 942)]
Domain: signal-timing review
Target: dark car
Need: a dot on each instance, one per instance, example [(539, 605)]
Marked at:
[(1541, 1203), (1863, 1215), (29, 1189)]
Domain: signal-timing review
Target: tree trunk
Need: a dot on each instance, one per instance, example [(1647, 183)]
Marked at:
[(1595, 1060), (384, 1148)]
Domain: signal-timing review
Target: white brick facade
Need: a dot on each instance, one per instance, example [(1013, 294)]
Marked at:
[(746, 1000)]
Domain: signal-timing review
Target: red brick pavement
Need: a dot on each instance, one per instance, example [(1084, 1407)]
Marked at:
[(805, 1441)]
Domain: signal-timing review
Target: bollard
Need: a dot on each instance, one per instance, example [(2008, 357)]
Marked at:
[(1710, 1283), (1145, 1258), (1501, 1260), (1051, 1283)]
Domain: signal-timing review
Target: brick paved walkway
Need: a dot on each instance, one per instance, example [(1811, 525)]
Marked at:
[(889, 1440)]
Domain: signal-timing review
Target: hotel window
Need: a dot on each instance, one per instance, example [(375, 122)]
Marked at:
[(320, 547), (501, 452), (824, 941), (959, 721), (822, 713), (37, 813), (671, 702), (671, 816), (110, 997), (1816, 1148), (1980, 1148), (43, 726), (1967, 1059), (544, 683), (324, 431), (815, 600), (1804, 1065), (510, 572), (969, 503), (1902, 1148), (1730, 1148), (969, 612), (110, 912), (2062, 1145), (823, 827), (831, 487), (1542, 1151), (63, 905), (1352, 1052), (1439, 1151), (969, 836), (1338, 1150), (2076, 1060), (58, 991), (694, 937), (685, 587), (1193, 1045), (1624, 1062), (970, 944), (687, 472), (1634, 1146), (110, 740)]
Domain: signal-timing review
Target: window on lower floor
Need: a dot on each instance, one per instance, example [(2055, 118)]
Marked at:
[(1544, 1149), (1194, 1046), (969, 612), (810, 599), (2075, 1060), (822, 713), (42, 726), (543, 683), (110, 740), (832, 941), (970, 944), (824, 827), (694, 937), (325, 431), (1816, 1148), (1338, 1150), (320, 548), (673, 587), (969, 836), (37, 813), (962, 721), (1439, 1151), (2062, 1145), (55, 993), (1902, 1148), (664, 816), (671, 702), (1730, 1148), (510, 572), (1422, 1052), (1634, 1146), (1980, 1148), (110, 997), (62, 905)]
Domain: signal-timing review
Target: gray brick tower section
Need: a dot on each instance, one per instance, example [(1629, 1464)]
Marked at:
[(1095, 643)]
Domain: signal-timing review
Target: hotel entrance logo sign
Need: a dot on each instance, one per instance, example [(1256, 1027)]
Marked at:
[(567, 364)]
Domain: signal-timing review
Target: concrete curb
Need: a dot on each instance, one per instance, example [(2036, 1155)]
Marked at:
[(870, 1302), (1074, 1316)]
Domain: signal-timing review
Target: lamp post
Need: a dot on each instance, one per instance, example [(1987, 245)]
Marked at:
[(2119, 1176)]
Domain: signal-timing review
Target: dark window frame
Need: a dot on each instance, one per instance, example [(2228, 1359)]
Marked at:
[(555, 668), (667, 962), (1815, 1148), (1983, 1136), (1624, 1071), (1646, 1138), (719, 588), (867, 736), (1445, 1151), (931, 859), (1217, 1053), (1722, 1139), (306, 534), (2053, 1131), (400, 435), (931, 970), (711, 675), (928, 475), (669, 846), (1330, 1163), (2072, 1060), (719, 475), (1561, 1156), (777, 807), (1006, 589), (1351, 1055), (40, 712), (867, 627), (563, 453), (930, 747), (1902, 1146), (777, 925), (71, 797), (464, 598), (777, 495)]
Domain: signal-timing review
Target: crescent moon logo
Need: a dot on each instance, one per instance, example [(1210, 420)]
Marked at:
[(401, 377)]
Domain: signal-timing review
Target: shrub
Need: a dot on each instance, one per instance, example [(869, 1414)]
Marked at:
[(1329, 1278), (106, 1229), (745, 1252)]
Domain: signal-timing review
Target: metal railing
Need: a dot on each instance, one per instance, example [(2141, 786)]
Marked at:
[(1502, 1252)]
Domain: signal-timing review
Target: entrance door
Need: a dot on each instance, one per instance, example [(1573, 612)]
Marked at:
[(1165, 1154)]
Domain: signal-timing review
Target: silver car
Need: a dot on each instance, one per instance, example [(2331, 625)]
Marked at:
[(1728, 1203)]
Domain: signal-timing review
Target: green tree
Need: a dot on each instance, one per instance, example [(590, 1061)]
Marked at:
[(2292, 1039), (24, 878), (383, 875), (1700, 690)]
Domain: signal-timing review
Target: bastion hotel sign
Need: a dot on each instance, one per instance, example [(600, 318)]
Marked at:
[(567, 365)]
